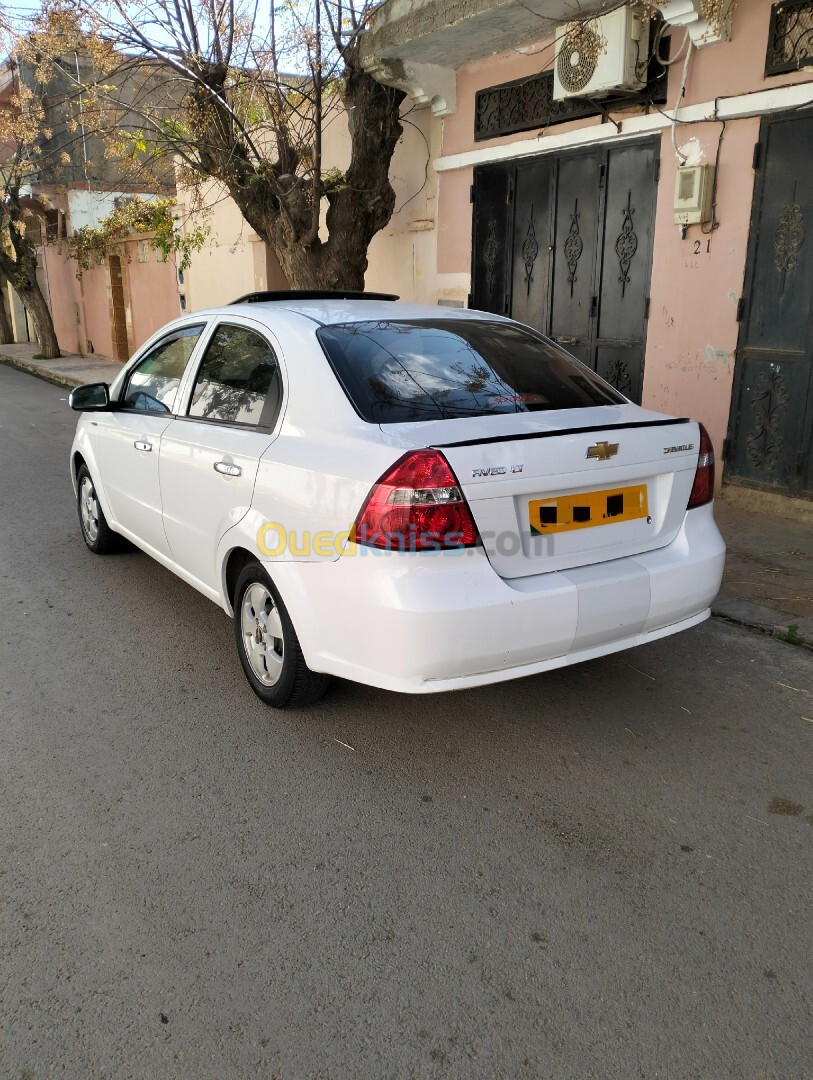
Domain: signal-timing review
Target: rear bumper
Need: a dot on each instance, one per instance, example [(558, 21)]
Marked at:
[(432, 621)]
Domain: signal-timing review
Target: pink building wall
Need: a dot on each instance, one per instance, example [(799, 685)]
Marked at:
[(692, 331), (697, 281), (95, 301), (63, 297), (152, 293), (82, 307)]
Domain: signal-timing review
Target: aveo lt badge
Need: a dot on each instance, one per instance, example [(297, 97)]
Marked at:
[(497, 470)]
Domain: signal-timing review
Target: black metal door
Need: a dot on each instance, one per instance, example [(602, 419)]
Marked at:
[(530, 268), (564, 243), (491, 272), (575, 243), (630, 184), (770, 427)]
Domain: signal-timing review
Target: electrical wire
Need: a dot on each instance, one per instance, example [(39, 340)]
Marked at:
[(656, 47), (681, 158), (714, 223)]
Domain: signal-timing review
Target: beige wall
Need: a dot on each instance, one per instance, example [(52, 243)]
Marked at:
[(17, 314), (233, 262), (402, 258)]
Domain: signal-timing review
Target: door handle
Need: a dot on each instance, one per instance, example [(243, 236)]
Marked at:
[(227, 469), (566, 340), (140, 444)]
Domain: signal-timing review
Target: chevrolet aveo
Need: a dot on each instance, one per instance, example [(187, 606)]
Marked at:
[(416, 498)]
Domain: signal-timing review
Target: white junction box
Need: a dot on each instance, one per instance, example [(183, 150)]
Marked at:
[(694, 185), (602, 54)]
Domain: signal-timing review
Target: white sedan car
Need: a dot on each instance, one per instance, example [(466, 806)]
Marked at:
[(416, 498)]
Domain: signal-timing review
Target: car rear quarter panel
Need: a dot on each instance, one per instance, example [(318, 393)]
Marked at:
[(314, 477)]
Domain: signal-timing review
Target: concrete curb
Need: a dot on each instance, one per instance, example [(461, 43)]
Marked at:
[(67, 371), (755, 617), (41, 373)]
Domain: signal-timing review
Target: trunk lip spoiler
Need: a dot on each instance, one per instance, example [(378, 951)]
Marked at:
[(563, 431)]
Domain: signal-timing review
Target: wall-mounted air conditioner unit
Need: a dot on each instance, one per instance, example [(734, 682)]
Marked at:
[(603, 54)]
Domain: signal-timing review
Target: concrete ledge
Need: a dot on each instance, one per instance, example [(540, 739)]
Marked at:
[(757, 617), (68, 371), (767, 502)]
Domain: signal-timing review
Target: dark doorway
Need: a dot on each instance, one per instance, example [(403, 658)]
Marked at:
[(564, 243), (770, 426), (121, 347)]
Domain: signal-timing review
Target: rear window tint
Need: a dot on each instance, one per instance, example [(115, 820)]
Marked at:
[(427, 369)]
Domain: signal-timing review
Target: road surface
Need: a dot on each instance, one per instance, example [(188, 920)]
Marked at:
[(599, 872)]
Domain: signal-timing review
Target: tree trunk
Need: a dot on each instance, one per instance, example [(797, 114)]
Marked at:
[(6, 331), (22, 273), (357, 208), (37, 307)]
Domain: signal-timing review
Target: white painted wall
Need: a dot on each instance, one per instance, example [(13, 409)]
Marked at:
[(87, 208)]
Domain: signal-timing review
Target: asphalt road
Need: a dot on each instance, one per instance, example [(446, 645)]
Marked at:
[(599, 872)]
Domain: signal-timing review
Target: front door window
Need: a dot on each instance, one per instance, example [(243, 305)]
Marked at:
[(152, 385)]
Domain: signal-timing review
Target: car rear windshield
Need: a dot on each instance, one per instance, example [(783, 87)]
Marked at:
[(436, 369)]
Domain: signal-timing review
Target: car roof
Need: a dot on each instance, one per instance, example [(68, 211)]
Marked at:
[(326, 312)]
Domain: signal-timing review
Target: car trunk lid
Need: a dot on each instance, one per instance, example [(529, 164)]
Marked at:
[(556, 490)]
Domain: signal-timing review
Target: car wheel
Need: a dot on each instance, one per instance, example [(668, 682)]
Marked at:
[(267, 644), (98, 535)]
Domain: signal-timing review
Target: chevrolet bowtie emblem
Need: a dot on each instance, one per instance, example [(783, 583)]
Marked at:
[(602, 450)]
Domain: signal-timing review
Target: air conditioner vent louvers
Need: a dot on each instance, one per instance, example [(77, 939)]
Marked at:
[(605, 54), (576, 60)]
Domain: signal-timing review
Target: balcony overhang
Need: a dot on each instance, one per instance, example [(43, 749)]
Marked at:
[(417, 45)]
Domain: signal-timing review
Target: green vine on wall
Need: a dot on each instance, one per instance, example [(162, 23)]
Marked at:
[(91, 245)]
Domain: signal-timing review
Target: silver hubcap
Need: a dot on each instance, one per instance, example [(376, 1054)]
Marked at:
[(89, 509), (262, 634)]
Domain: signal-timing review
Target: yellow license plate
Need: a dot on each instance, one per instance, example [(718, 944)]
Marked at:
[(568, 512)]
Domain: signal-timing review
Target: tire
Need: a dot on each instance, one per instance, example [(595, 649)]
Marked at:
[(97, 534), (268, 647)]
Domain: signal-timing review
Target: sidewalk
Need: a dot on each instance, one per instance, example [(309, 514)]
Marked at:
[(768, 581), (69, 370)]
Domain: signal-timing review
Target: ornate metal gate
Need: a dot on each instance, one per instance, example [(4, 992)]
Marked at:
[(564, 243), (770, 428)]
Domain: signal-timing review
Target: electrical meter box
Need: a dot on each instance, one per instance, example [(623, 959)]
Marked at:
[(694, 185)]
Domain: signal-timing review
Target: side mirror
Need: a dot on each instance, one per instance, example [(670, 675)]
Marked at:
[(93, 396)]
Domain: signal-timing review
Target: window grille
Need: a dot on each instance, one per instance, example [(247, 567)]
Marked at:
[(790, 39)]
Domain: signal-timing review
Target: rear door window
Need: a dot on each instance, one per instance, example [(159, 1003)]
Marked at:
[(238, 381), (424, 369)]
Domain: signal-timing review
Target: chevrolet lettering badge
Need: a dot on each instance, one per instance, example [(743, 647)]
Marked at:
[(602, 450)]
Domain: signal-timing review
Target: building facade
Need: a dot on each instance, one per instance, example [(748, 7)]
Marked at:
[(74, 181), (565, 212), (115, 306)]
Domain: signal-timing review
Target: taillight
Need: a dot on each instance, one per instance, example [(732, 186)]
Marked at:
[(417, 505), (703, 486)]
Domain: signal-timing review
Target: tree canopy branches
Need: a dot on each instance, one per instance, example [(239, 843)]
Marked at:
[(242, 94)]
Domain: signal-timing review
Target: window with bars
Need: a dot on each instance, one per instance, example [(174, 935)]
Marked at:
[(528, 103), (790, 40)]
